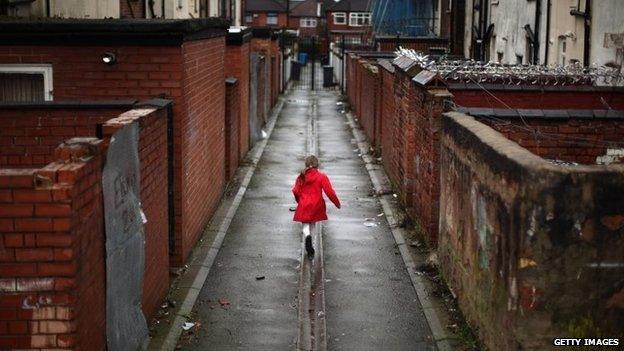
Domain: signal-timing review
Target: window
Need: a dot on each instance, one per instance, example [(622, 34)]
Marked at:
[(25, 83), (562, 51), (340, 18), (359, 19), (307, 22), (248, 18), (271, 19)]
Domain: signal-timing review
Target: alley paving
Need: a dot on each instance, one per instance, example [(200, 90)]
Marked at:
[(250, 299)]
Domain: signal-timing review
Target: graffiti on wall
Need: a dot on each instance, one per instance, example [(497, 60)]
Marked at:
[(126, 327)]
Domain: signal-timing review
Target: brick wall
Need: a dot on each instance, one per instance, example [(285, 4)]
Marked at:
[(29, 136), (52, 240), (232, 123), (410, 154), (265, 95), (132, 8), (525, 244), (531, 97), (192, 76), (368, 114), (275, 70), (580, 140), (201, 139), (237, 58), (52, 253), (388, 128)]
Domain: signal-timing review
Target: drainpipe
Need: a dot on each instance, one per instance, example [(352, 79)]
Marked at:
[(162, 8), (587, 43), (485, 30), (48, 11), (536, 35), (476, 34), (547, 42)]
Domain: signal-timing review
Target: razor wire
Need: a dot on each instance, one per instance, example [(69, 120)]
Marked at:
[(468, 71)]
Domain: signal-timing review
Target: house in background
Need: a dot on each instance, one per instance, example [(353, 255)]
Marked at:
[(351, 18), (266, 13), (98, 9), (542, 32), (307, 16)]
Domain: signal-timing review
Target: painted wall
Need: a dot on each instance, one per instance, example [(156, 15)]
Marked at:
[(70, 9), (608, 17), (565, 28)]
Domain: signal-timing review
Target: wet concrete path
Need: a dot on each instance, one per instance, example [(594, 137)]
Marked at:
[(370, 303)]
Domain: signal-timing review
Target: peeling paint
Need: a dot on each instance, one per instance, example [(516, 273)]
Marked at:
[(527, 262), (30, 303), (512, 300), (610, 157)]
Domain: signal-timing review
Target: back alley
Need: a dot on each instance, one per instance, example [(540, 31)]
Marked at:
[(369, 302)]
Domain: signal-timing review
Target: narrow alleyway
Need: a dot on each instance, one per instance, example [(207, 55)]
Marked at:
[(250, 300)]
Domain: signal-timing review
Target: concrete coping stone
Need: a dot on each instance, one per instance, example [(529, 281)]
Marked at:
[(542, 113)]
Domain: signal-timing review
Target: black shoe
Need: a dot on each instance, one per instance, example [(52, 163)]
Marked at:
[(308, 246)]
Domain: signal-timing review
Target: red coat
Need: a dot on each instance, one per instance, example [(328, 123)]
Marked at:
[(309, 196)]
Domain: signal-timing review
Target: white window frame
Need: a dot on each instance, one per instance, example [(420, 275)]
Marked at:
[(355, 17), (272, 15), (307, 22), (43, 69), (342, 15), (249, 18)]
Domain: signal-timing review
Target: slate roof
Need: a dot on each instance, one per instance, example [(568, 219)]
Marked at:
[(305, 8), (350, 6), (265, 5)]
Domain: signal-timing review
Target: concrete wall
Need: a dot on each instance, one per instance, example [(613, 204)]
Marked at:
[(528, 247)]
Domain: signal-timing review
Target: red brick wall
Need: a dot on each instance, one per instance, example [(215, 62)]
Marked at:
[(574, 140), (539, 99), (132, 8), (368, 108), (52, 249), (275, 71), (351, 87), (79, 73), (232, 123), (262, 93), (52, 240), (28, 137), (388, 152), (267, 83), (144, 72), (201, 140), (404, 143), (237, 58)]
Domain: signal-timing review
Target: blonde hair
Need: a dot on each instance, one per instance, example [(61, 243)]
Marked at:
[(310, 162)]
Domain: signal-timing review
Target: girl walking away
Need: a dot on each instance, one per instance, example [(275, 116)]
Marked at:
[(308, 189)]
